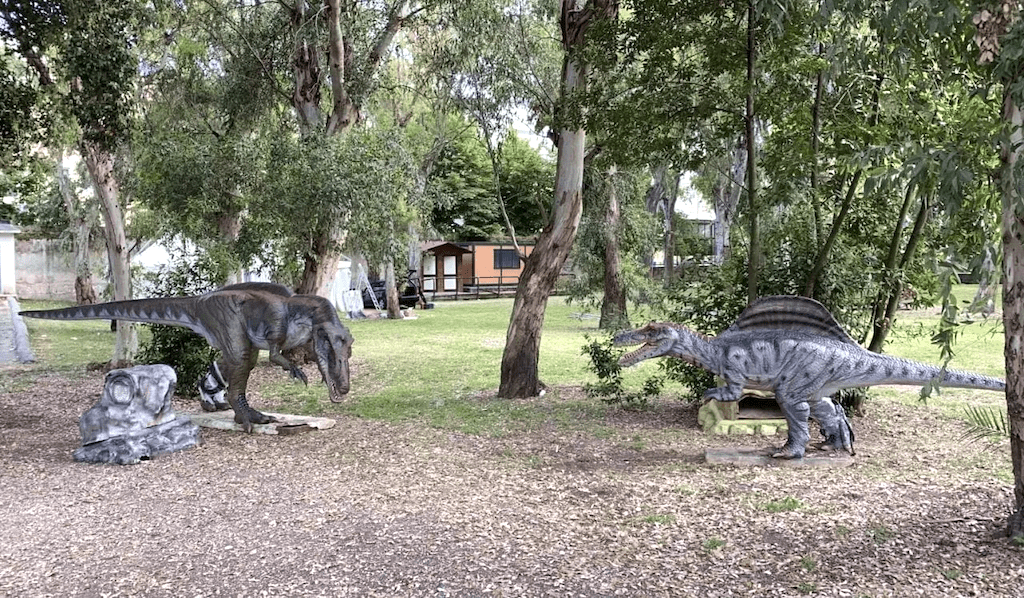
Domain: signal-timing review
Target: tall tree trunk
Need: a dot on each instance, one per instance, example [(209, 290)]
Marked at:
[(320, 264), (391, 288), (668, 211), (726, 194), (519, 362), (897, 290), (837, 224), (100, 163), (81, 216), (819, 84), (754, 257), (613, 304), (879, 325), (1013, 301), (991, 25)]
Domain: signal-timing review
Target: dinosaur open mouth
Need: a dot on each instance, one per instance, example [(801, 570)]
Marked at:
[(636, 356)]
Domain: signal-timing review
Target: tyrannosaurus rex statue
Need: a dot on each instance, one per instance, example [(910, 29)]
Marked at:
[(238, 323), (795, 348), (212, 386)]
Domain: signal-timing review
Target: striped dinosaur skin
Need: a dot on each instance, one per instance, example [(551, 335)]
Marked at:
[(213, 385), (793, 347), (239, 323)]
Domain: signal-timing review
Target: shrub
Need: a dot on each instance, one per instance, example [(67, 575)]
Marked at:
[(185, 351), (604, 361)]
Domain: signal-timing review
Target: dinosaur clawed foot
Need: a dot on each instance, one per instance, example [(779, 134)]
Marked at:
[(789, 451), (297, 373), (248, 417)]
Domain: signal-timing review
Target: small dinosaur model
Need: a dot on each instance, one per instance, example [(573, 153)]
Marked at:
[(795, 348), (239, 323)]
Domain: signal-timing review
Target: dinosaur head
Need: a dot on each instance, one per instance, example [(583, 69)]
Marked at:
[(333, 345), (657, 338)]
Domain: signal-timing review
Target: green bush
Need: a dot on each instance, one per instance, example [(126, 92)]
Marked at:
[(604, 361), (185, 351)]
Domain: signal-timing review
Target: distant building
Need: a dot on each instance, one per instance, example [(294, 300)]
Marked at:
[(475, 269), (7, 258)]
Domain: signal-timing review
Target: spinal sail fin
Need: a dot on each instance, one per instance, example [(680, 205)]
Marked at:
[(792, 314)]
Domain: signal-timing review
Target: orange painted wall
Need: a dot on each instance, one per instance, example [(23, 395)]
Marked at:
[(483, 263)]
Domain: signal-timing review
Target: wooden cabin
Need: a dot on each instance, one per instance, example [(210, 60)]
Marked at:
[(471, 270)]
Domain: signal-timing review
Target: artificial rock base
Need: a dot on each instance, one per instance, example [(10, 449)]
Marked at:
[(285, 424), (722, 417), (133, 420)]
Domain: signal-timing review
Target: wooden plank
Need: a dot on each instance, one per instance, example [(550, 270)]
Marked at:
[(286, 424), (750, 457)]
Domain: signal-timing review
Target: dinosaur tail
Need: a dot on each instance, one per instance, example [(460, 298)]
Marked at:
[(173, 311), (894, 370)]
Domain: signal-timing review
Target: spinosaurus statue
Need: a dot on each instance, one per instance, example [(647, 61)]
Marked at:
[(795, 348), (239, 322)]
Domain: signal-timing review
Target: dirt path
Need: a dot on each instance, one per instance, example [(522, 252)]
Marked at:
[(624, 506)]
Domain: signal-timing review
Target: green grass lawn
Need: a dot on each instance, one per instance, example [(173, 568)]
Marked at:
[(443, 367)]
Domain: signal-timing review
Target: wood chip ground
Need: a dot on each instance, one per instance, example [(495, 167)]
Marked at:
[(621, 507)]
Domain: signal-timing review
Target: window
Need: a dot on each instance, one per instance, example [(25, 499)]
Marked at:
[(506, 259)]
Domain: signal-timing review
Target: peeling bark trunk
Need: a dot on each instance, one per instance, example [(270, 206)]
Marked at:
[(519, 362), (81, 217), (320, 265), (726, 194), (391, 286), (1013, 303), (613, 305), (348, 85), (754, 255), (100, 163), (819, 84)]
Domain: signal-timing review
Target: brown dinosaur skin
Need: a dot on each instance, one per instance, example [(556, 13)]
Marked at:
[(239, 323)]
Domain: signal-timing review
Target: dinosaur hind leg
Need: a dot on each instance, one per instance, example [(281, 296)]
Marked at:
[(834, 425), (796, 412), (238, 381), (211, 390)]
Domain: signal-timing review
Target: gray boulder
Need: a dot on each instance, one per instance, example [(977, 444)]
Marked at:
[(133, 420)]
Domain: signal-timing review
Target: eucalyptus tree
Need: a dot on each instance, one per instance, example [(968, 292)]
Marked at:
[(203, 141), (519, 363), (87, 55), (616, 234), (1000, 38)]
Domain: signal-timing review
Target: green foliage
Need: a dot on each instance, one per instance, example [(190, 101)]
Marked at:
[(780, 506), (604, 362), (462, 188), (808, 563), (461, 185), (712, 544), (986, 423), (100, 55), (185, 351), (881, 533)]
